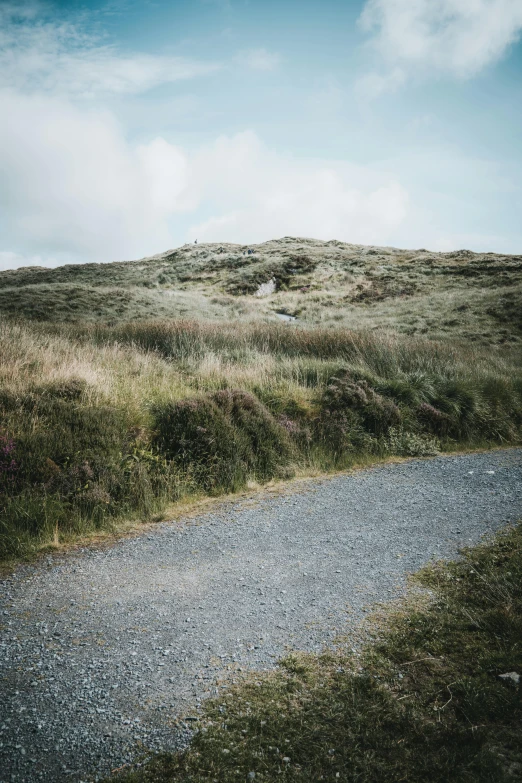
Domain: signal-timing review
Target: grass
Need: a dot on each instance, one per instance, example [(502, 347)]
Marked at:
[(423, 703), (127, 387), (103, 424), (115, 404), (325, 284)]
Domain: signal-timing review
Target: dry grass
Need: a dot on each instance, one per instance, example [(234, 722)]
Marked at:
[(329, 284)]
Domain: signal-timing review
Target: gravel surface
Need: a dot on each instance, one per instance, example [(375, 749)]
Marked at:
[(107, 652)]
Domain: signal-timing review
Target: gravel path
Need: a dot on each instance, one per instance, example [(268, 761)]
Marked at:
[(105, 652)]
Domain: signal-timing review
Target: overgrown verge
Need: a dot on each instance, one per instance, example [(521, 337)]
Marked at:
[(436, 698), (103, 424)]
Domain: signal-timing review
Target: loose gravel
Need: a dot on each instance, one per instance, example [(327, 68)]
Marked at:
[(107, 653)]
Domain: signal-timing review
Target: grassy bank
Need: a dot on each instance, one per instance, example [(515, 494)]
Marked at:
[(101, 423), (424, 703)]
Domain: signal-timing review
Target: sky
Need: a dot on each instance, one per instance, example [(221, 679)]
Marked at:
[(130, 127)]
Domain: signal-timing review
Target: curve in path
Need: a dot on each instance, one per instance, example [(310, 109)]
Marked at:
[(102, 650)]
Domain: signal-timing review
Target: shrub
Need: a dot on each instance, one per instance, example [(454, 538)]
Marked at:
[(375, 412), (411, 444), (197, 436), (222, 438), (433, 419), (268, 445), (341, 432)]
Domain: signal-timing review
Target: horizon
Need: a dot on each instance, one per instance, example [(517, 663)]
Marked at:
[(242, 245), (129, 127)]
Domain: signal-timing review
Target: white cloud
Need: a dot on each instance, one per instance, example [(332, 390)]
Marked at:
[(326, 99), (457, 37), (60, 58), (77, 190), (373, 84), (76, 186), (263, 195), (259, 59)]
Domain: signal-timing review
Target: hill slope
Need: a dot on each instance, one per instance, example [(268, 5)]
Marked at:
[(474, 295), (112, 406)]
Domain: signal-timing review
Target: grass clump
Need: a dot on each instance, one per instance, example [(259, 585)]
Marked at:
[(423, 703)]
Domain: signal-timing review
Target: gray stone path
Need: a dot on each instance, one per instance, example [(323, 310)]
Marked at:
[(101, 651)]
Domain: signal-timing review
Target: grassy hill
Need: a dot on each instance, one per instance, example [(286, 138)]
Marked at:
[(329, 284), (126, 387)]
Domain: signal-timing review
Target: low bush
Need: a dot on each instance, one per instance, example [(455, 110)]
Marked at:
[(222, 439), (374, 412)]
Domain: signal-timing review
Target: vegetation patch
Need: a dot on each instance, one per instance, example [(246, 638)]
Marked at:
[(457, 295), (436, 698), (101, 424), (223, 439), (248, 280)]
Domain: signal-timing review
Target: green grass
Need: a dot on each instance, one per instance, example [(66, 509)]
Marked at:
[(422, 703), (101, 425)]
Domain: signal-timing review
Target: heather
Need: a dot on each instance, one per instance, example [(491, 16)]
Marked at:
[(105, 424)]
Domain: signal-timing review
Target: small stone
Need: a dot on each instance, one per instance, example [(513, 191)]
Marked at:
[(251, 776), (286, 760), (513, 677)]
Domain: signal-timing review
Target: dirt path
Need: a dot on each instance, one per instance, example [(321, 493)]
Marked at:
[(102, 650)]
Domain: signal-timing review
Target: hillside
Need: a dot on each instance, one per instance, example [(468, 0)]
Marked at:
[(126, 387), (329, 284)]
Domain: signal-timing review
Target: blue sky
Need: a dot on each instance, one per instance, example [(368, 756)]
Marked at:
[(132, 127)]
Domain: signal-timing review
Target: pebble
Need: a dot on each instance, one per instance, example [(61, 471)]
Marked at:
[(102, 650)]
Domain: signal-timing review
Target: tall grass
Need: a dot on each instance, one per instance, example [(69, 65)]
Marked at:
[(110, 422)]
